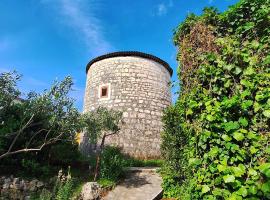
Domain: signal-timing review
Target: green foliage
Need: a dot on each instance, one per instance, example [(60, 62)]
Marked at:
[(64, 186), (44, 195), (35, 168), (132, 162), (65, 190), (101, 120), (112, 163), (39, 120), (216, 136), (107, 183)]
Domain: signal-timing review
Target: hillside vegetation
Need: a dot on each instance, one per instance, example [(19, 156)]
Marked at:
[(216, 139)]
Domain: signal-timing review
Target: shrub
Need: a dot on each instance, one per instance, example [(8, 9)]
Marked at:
[(45, 195), (112, 163), (34, 168), (216, 137), (65, 190)]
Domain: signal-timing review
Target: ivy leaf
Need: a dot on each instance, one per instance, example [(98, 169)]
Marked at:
[(251, 135), (265, 169), (266, 187), (239, 171), (249, 71), (267, 150), (238, 136), (266, 113), (210, 118), (246, 104), (228, 67), (252, 189), (194, 161), (252, 172), (253, 150), (229, 178), (217, 192), (205, 189), (237, 70), (242, 191), (221, 168), (243, 121), (231, 126), (226, 138), (189, 112)]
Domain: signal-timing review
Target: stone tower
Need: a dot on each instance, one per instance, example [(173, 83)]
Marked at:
[(137, 84)]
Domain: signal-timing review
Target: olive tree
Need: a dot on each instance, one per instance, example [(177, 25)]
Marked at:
[(37, 121), (100, 124)]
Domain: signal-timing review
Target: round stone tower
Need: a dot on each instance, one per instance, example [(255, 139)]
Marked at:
[(138, 84)]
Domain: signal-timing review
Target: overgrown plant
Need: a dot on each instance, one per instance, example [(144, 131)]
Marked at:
[(216, 137)]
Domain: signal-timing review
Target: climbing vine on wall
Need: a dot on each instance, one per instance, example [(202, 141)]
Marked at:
[(216, 139)]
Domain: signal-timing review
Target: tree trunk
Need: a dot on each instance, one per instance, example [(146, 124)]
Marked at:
[(98, 158)]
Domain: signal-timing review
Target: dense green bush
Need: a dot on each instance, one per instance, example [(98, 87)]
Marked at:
[(216, 138), (112, 163)]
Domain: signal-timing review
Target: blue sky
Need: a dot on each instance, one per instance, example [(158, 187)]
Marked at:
[(47, 40)]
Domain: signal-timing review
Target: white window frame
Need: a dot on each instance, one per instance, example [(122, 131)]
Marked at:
[(108, 85)]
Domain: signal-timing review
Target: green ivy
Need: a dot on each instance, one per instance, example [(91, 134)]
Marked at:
[(216, 138)]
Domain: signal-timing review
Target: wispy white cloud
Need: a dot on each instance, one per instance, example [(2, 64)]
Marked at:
[(79, 15), (162, 8)]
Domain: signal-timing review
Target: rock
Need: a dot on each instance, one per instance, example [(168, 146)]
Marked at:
[(16, 180), (90, 191), (2, 179), (6, 185), (7, 180), (40, 184), (17, 186), (33, 185), (27, 197), (26, 185)]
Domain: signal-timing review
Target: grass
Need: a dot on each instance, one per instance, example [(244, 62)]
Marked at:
[(131, 162), (106, 183)]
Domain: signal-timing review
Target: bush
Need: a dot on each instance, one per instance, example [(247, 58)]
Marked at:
[(112, 163), (216, 137), (65, 190), (34, 168)]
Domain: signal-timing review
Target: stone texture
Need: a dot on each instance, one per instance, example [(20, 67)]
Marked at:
[(140, 88), (17, 188), (90, 191)]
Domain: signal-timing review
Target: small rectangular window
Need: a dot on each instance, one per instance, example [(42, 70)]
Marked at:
[(104, 91)]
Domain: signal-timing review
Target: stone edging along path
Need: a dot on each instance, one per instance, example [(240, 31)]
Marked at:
[(140, 184)]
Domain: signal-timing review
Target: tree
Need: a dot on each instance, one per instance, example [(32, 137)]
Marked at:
[(100, 124), (38, 121)]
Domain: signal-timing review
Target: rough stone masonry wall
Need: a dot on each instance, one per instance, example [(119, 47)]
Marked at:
[(140, 88), (18, 188)]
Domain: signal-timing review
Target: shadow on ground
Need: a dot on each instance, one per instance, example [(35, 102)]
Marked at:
[(136, 180)]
